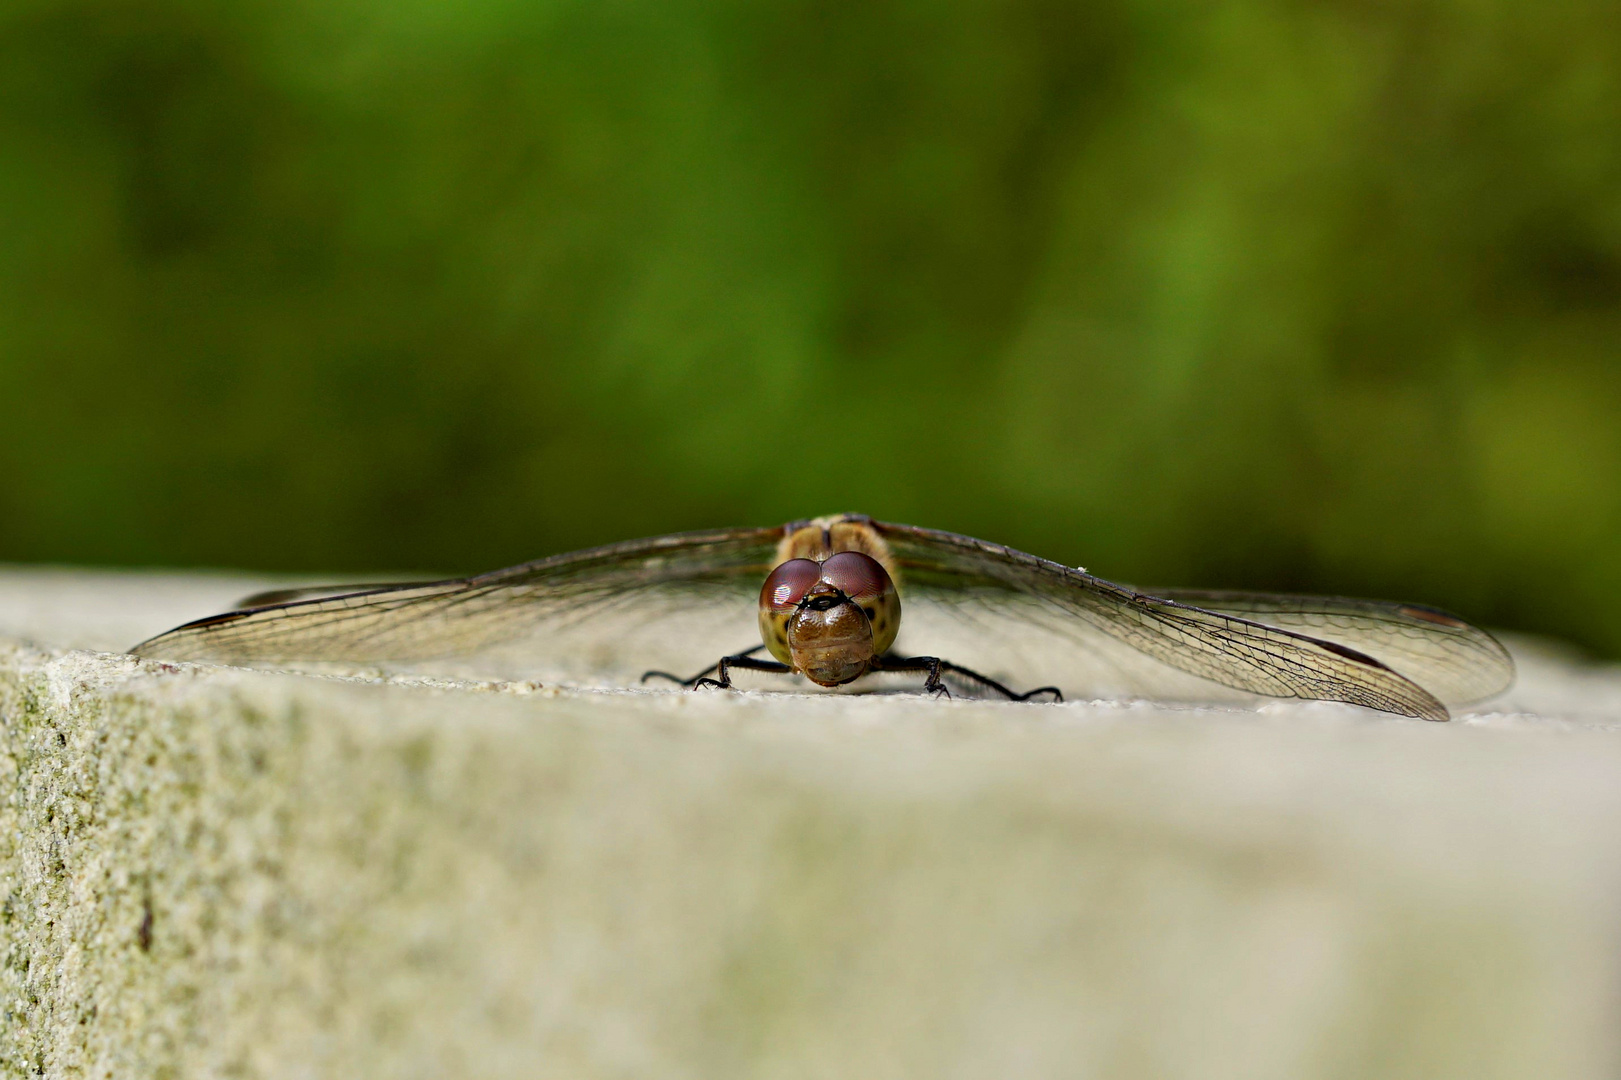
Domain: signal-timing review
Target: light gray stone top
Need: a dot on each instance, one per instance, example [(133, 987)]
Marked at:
[(220, 872)]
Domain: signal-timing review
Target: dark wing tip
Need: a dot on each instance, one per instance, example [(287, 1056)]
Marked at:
[(205, 623), (269, 597), (1434, 615)]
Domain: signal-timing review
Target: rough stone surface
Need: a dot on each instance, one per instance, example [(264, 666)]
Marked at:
[(219, 872)]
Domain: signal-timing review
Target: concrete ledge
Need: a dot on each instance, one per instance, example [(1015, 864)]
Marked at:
[(215, 872)]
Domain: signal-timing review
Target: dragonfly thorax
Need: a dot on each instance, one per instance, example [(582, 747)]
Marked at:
[(828, 619)]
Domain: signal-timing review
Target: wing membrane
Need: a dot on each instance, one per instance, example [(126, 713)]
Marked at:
[(1242, 653), (1457, 662), (1398, 658), (427, 620)]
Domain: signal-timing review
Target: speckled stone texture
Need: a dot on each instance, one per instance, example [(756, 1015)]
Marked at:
[(217, 872)]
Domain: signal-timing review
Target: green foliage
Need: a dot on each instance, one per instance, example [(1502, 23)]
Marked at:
[(1304, 296)]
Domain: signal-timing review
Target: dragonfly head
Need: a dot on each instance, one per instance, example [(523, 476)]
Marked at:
[(827, 620)]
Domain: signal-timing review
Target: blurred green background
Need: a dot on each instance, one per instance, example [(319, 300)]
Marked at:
[(1320, 296)]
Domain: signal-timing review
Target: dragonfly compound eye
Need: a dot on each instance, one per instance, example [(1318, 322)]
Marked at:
[(868, 585), (780, 598)]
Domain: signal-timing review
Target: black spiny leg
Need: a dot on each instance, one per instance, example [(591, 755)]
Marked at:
[(689, 682), (722, 667), (935, 685)]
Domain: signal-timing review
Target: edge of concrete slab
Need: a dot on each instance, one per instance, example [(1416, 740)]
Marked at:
[(210, 871)]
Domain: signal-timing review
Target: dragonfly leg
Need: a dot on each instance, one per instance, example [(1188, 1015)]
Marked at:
[(935, 685), (744, 659), (689, 682)]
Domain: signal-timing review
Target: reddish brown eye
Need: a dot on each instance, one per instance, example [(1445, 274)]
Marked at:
[(857, 576), (788, 583)]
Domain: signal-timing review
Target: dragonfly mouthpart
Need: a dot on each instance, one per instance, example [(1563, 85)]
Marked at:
[(829, 638), (824, 601)]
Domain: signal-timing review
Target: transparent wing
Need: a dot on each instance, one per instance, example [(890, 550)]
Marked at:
[(682, 600), (982, 584), (659, 588), (1455, 661)]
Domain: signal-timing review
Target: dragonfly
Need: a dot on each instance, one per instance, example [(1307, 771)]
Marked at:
[(827, 596)]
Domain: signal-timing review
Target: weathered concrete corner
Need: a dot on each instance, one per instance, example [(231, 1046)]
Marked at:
[(214, 872)]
